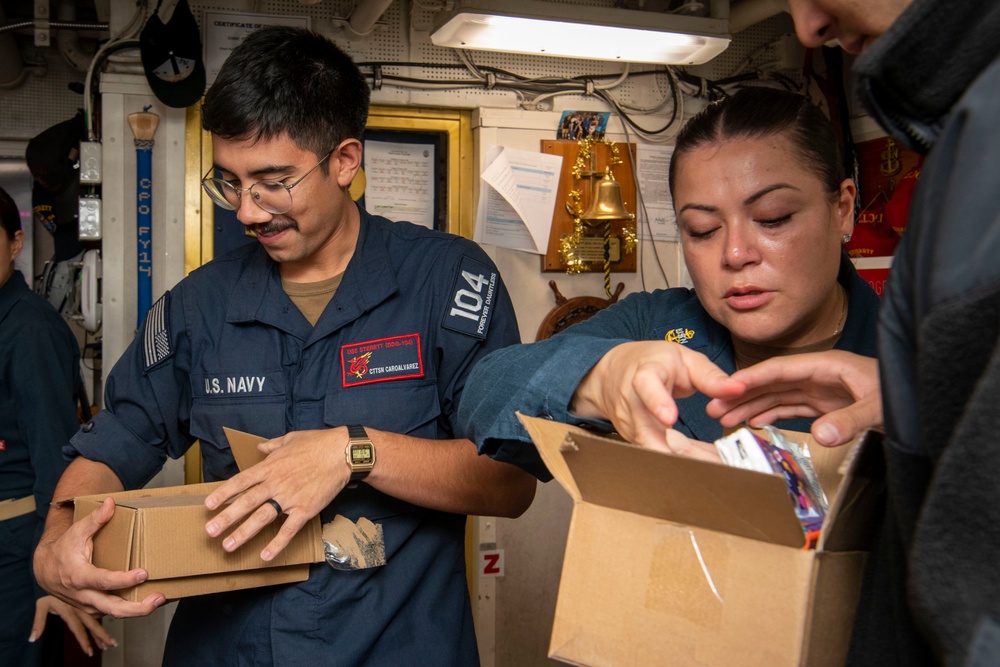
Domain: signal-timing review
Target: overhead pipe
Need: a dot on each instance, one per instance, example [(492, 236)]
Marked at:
[(364, 17), (745, 13), (11, 65), (68, 41), (12, 69)]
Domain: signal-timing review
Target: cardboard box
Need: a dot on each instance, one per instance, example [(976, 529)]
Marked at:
[(163, 531), (673, 561)]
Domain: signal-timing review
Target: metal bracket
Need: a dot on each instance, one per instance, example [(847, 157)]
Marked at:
[(42, 18)]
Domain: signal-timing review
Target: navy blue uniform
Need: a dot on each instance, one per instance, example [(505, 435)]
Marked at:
[(226, 347), (539, 379), (39, 374)]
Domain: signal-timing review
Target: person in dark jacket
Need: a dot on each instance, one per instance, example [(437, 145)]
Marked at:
[(929, 72), (39, 376), (763, 207)]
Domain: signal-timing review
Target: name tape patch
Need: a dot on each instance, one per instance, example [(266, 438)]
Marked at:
[(381, 360), (237, 385), (472, 295)]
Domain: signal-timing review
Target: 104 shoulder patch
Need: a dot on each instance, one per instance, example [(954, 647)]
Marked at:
[(473, 292)]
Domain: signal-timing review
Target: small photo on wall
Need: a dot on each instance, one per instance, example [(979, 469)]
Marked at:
[(576, 125)]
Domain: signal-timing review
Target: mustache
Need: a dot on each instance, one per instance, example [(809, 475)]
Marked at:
[(274, 226)]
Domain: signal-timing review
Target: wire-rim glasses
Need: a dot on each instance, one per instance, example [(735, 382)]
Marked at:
[(272, 196)]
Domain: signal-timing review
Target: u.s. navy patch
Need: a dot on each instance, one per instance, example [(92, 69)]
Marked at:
[(381, 360), (471, 306), (237, 384), (156, 333)]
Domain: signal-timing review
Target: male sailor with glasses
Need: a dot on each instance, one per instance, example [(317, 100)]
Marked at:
[(347, 339)]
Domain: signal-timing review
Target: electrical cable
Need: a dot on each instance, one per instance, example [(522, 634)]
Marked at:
[(95, 352), (649, 135), (55, 25), (711, 90), (641, 206), (532, 92), (657, 106), (88, 88), (466, 59), (123, 39)]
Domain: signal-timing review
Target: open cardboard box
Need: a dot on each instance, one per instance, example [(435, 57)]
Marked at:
[(163, 531), (675, 561)]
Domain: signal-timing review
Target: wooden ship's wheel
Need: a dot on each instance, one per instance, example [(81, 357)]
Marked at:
[(570, 311)]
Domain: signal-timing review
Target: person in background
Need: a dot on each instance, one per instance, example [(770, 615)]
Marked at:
[(929, 72), (763, 207), (352, 328), (39, 375)]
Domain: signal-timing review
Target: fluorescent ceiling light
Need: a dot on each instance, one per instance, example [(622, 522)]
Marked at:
[(573, 31)]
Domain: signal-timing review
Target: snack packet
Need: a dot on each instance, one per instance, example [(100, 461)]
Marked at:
[(778, 455)]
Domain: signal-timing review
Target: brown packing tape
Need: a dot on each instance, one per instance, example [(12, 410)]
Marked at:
[(360, 545)]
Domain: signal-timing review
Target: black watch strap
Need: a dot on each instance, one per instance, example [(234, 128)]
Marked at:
[(360, 452)]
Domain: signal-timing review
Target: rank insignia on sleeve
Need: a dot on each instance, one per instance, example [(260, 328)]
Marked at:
[(156, 333), (470, 308)]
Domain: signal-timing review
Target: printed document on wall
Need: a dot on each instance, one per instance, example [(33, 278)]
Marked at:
[(400, 181), (653, 166), (224, 30), (517, 199)]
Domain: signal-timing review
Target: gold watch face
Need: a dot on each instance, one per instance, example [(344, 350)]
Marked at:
[(362, 455)]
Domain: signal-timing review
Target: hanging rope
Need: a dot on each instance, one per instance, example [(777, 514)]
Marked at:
[(607, 257)]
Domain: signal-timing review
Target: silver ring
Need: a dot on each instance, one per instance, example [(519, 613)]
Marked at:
[(277, 508)]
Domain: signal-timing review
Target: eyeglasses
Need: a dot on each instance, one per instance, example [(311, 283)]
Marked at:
[(272, 196)]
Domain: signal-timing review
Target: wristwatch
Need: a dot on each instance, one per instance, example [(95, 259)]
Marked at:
[(360, 452)]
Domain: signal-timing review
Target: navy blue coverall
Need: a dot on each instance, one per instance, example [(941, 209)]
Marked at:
[(392, 350), (39, 376)]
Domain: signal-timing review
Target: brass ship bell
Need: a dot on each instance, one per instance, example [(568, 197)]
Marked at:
[(606, 201)]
